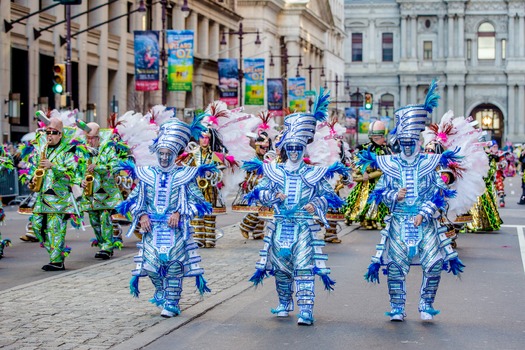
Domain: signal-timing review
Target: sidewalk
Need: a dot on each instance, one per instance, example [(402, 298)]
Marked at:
[(92, 308)]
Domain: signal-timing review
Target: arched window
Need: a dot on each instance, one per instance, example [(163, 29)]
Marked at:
[(356, 100), (486, 42), (386, 110)]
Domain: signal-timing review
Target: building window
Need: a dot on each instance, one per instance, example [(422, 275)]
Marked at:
[(486, 42), (469, 49), (356, 100), (357, 47), (386, 108), (427, 50), (388, 47), (503, 49)]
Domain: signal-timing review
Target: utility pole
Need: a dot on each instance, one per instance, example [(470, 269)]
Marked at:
[(69, 81)]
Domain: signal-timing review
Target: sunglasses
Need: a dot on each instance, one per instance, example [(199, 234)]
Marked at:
[(294, 148), (52, 132)]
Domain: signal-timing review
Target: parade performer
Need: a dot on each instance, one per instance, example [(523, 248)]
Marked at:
[(485, 214), (327, 148), (164, 202), (358, 208), (101, 194), (415, 193), (251, 223), (210, 150), (52, 174), (6, 164), (299, 193)]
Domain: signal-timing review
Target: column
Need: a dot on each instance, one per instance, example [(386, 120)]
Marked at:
[(100, 86), (441, 34), (372, 42), (511, 112), (403, 37), (474, 53), (450, 97), (413, 40), (461, 100), (121, 78), (511, 42), (461, 36), (204, 37), (402, 96), (497, 61), (521, 110), (215, 39), (34, 67), (192, 25), (450, 53), (521, 36), (413, 94)]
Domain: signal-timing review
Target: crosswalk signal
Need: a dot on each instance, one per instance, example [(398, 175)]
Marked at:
[(59, 78), (368, 101)]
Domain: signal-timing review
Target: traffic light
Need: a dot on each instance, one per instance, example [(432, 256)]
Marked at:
[(59, 78), (369, 102)]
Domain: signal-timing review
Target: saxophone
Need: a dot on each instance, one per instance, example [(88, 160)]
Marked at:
[(89, 178), (36, 183)]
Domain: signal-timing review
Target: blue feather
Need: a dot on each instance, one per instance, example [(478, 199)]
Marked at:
[(431, 101), (253, 165), (196, 126), (372, 275), (456, 266), (327, 281), (127, 165), (26, 150), (203, 168), (258, 277), (439, 200), (337, 167), (203, 208), (334, 201), (134, 286), (124, 206), (320, 109), (201, 284), (376, 196), (366, 158), (253, 196), (450, 156)]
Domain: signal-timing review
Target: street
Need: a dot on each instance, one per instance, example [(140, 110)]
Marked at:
[(88, 306)]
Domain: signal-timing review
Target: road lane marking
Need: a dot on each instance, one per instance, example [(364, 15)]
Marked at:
[(521, 239)]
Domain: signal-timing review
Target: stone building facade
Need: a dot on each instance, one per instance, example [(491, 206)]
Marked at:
[(476, 49), (102, 57)]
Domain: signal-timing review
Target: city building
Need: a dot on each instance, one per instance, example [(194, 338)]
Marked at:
[(476, 49), (297, 34)]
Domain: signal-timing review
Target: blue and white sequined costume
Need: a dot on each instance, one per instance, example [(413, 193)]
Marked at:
[(299, 194), (413, 228), (167, 253)]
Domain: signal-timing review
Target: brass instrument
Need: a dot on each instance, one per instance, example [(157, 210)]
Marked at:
[(89, 179), (202, 183), (36, 183)]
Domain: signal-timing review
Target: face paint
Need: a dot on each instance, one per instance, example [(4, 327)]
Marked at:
[(294, 152), (408, 146), (165, 157)]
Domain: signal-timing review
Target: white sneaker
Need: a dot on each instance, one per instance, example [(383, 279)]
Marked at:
[(425, 316), (282, 314), (397, 318), (304, 322), (167, 313)]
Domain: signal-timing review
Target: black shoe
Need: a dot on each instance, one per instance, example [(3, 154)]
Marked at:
[(104, 255), (522, 200), (28, 238), (54, 267)]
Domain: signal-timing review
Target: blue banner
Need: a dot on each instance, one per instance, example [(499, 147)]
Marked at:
[(254, 77), (228, 81), (146, 47), (275, 96)]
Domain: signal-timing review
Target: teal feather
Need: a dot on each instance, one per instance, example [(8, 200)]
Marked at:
[(431, 101), (320, 109), (196, 127), (134, 286)]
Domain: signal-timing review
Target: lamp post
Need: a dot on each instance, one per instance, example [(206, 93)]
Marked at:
[(336, 81), (284, 63), (310, 69), (163, 53), (240, 33)]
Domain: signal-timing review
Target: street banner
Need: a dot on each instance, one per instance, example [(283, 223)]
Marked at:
[(228, 81), (275, 96), (180, 60), (296, 98), (254, 78), (146, 47), (364, 120)]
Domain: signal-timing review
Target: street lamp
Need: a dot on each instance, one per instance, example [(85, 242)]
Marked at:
[(240, 33), (310, 69), (163, 54), (336, 81)]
